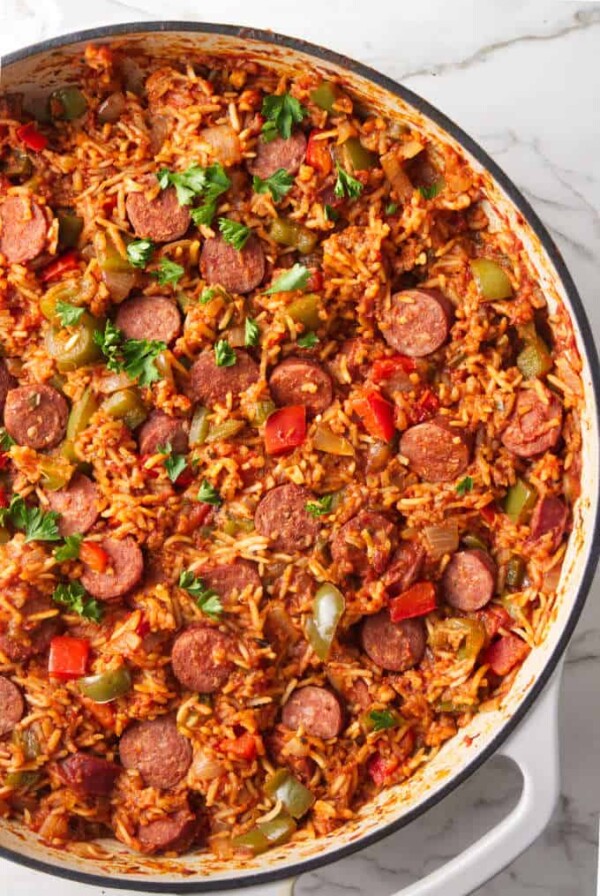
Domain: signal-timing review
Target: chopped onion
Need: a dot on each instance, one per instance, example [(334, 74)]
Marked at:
[(205, 768), (397, 176), (442, 539), (119, 283)]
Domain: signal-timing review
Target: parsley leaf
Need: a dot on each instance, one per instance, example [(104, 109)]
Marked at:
[(465, 485), (234, 233), (384, 718), (110, 345), (175, 464), (139, 252), (204, 214), (188, 183), (74, 597), (208, 294), (251, 332), (331, 213), (68, 314), (281, 113), (225, 356), (208, 182), (6, 442), (346, 185), (308, 340), (139, 356), (391, 208), (208, 494), (277, 184), (295, 278), (168, 272), (37, 525), (432, 191), (70, 549), (206, 599), (320, 507)]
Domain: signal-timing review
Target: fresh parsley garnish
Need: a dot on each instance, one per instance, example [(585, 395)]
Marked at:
[(331, 213), (134, 356), (208, 494), (206, 599), (175, 464), (234, 233), (68, 314), (251, 332), (188, 183), (294, 278), (465, 485), (209, 183), (225, 356), (139, 252), (208, 294), (168, 272), (384, 718), (277, 184), (321, 506), (6, 441), (70, 549), (204, 214), (308, 340), (37, 524), (432, 191), (391, 208), (110, 344), (346, 185), (281, 114), (75, 598)]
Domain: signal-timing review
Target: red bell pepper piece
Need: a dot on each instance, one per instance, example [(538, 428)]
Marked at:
[(386, 368), (417, 600), (93, 556), (143, 627), (30, 137), (285, 429), (493, 618), (317, 153), (425, 407), (380, 768), (315, 281), (243, 747), (504, 654), (68, 657), (488, 514), (67, 262), (376, 414)]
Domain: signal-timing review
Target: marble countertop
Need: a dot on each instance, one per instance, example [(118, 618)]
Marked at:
[(523, 78)]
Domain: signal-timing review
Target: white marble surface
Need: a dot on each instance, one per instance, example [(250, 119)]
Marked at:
[(523, 78)]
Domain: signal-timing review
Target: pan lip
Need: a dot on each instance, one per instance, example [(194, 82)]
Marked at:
[(321, 54)]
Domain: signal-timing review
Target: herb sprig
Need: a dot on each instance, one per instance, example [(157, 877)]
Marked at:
[(206, 599)]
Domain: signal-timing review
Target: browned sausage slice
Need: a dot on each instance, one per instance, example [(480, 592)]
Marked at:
[(161, 218), (149, 317), (534, 425), (469, 580), (364, 543), (317, 710), (157, 750), (435, 450), (235, 577), (173, 833), (125, 569), (549, 515), (23, 229), (200, 658), (159, 430), (417, 321), (405, 567), (296, 381), (396, 646), (89, 775), (12, 706), (236, 271), (278, 153), (7, 382), (283, 517), (36, 416), (77, 504), (210, 383), (19, 642)]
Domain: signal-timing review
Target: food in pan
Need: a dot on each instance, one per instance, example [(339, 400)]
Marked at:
[(290, 448)]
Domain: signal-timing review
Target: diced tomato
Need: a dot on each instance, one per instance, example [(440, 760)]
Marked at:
[(385, 368), (317, 153), (380, 768), (143, 627), (30, 137), (504, 654), (68, 657), (493, 617), (488, 514), (109, 204), (4, 502), (425, 407), (315, 281), (243, 747), (285, 429), (4, 460), (417, 600), (67, 262), (376, 414), (93, 556)]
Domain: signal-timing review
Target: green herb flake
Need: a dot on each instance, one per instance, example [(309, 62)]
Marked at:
[(175, 464), (346, 185), (206, 599), (251, 332), (208, 294), (234, 233), (331, 213), (68, 314), (308, 340), (70, 549), (382, 719), (277, 184), (109, 342), (188, 184), (321, 507), (75, 598), (464, 486), (139, 356), (168, 272), (225, 356), (139, 252), (6, 441), (294, 278), (432, 191), (37, 525), (208, 494), (281, 113), (391, 208)]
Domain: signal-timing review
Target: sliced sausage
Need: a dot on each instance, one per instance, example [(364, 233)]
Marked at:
[(200, 658), (417, 321), (210, 383), (224, 143), (435, 450), (236, 576), (296, 381), (283, 517), (364, 543), (157, 750), (317, 710), (7, 382), (236, 271), (549, 515), (124, 571), (395, 646), (36, 416), (88, 775), (160, 219), (278, 153), (77, 504), (12, 705), (149, 317), (173, 833), (23, 229), (405, 567), (351, 361), (469, 580), (20, 642), (159, 430), (535, 424)]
